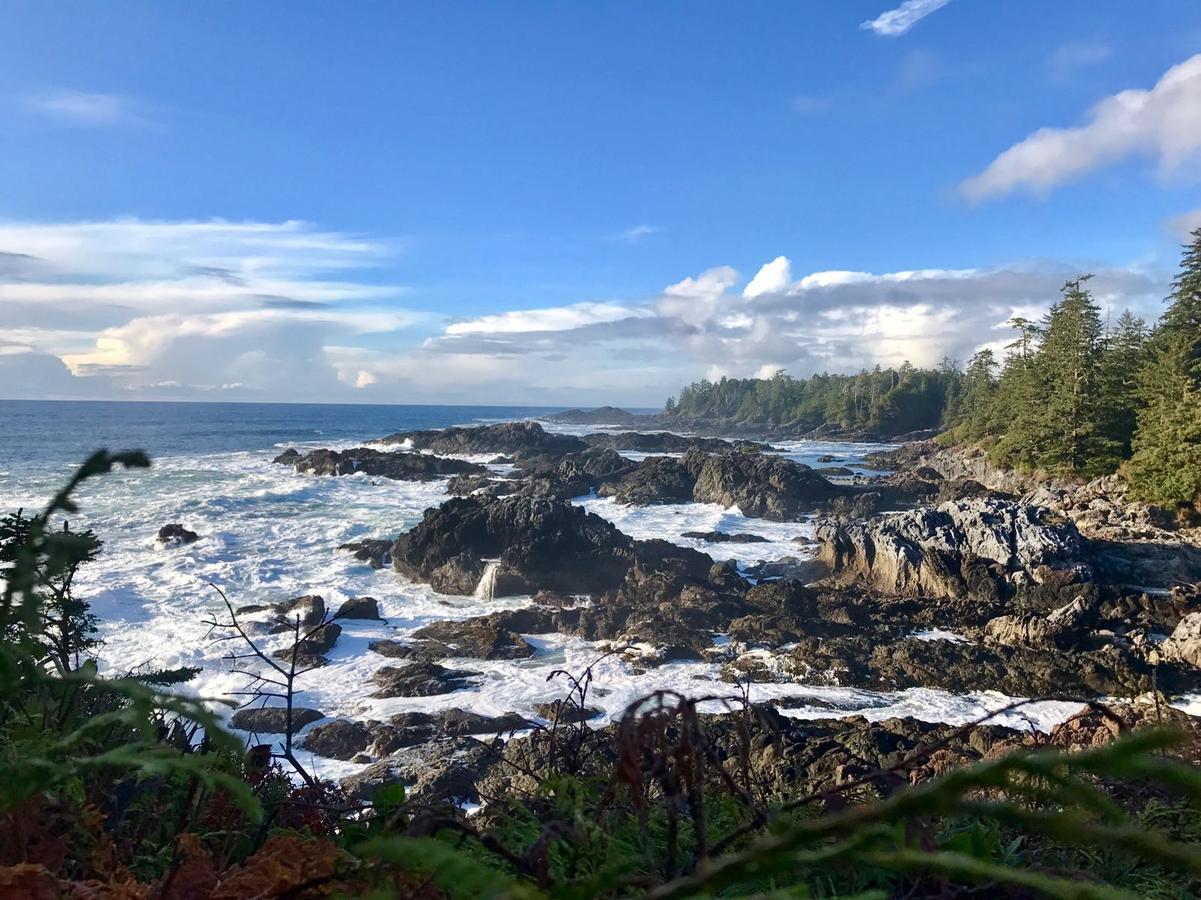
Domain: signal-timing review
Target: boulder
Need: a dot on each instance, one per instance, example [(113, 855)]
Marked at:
[(565, 713), (339, 739), (440, 771), (659, 479), (494, 636), (359, 608), (274, 719), (760, 485), (420, 679), (376, 553), (540, 543), (457, 721), (175, 535), (1184, 644), (514, 439), (981, 547)]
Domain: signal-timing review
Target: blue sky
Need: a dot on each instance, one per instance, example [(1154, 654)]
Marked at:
[(567, 202)]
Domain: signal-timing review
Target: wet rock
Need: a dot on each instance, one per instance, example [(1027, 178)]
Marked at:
[(724, 537), (514, 439), (175, 535), (659, 479), (339, 739), (274, 719), (462, 485), (288, 457), (310, 651), (309, 609), (359, 608), (494, 636), (461, 722), (401, 466), (835, 472), (376, 553), (421, 679), (548, 544), (566, 713), (761, 486)]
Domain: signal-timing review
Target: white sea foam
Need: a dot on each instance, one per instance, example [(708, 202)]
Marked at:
[(268, 534)]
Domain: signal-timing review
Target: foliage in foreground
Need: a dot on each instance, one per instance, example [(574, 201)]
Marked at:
[(116, 787)]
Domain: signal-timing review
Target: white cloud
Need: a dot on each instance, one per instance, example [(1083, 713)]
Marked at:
[(636, 233), (247, 308), (771, 278), (85, 108), (896, 22), (1163, 123), (1182, 226), (559, 318)]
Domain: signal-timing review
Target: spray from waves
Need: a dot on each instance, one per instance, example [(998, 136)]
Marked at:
[(486, 589)]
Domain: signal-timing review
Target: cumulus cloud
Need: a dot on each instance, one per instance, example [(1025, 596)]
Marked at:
[(1163, 123), (85, 108), (895, 22), (771, 277)]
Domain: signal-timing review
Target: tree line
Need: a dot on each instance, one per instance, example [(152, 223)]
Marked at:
[(1073, 394)]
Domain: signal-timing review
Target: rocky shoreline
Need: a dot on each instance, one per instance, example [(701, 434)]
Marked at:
[(973, 580)]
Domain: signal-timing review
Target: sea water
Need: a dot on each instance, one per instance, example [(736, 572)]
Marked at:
[(269, 534)]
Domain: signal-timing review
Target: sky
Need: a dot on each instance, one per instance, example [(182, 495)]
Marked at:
[(577, 203)]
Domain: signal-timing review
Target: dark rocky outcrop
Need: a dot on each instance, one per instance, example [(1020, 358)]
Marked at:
[(514, 439), (420, 679), (760, 485), (726, 537), (445, 769), (659, 479), (602, 415), (175, 535), (540, 543), (359, 608), (494, 636), (274, 719), (566, 713), (400, 466), (339, 739), (376, 553)]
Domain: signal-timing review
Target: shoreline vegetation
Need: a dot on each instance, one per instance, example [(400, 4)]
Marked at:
[(1034, 534)]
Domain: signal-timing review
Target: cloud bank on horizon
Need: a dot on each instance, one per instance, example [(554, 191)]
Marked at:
[(287, 311)]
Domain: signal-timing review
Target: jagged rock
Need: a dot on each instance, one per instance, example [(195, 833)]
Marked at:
[(462, 485), (359, 608), (274, 719), (566, 713), (457, 721), (376, 553), (288, 457), (175, 535), (760, 485), (724, 537), (1062, 628), (515, 439), (399, 466), (443, 770), (982, 547), (547, 544), (420, 679), (339, 739), (310, 651), (494, 636), (659, 479), (310, 609), (1184, 644)]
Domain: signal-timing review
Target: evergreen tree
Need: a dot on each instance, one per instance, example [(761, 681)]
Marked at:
[(1120, 362), (1070, 418), (1165, 466)]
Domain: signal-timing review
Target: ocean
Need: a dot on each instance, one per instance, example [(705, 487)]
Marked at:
[(269, 534)]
